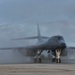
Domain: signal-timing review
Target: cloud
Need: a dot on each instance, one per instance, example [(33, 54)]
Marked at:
[(31, 10)]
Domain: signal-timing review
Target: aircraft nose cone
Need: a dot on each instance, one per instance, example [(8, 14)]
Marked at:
[(63, 45)]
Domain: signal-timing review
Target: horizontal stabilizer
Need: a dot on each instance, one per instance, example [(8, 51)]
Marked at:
[(34, 37)]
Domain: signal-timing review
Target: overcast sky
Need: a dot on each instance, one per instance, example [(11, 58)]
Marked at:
[(36, 10), (55, 17)]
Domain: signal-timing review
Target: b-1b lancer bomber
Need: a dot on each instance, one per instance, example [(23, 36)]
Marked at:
[(55, 44)]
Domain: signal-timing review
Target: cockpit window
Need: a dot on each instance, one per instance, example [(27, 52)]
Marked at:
[(60, 38)]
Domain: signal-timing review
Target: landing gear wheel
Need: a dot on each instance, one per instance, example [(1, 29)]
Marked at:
[(37, 60), (58, 60), (53, 60)]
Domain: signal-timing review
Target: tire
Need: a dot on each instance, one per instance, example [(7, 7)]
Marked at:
[(58, 60), (39, 60), (35, 60)]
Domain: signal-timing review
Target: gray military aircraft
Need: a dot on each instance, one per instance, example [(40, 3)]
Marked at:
[(55, 44)]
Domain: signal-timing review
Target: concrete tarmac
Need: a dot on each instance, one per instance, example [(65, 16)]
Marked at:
[(37, 69)]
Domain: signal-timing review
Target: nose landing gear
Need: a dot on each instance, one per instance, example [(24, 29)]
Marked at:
[(56, 58), (58, 52)]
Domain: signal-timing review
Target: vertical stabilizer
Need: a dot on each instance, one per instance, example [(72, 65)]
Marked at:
[(38, 30), (38, 37), (38, 33)]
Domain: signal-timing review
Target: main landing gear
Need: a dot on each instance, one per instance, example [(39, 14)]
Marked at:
[(37, 58)]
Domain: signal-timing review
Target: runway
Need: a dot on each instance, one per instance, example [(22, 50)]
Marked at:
[(37, 69)]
